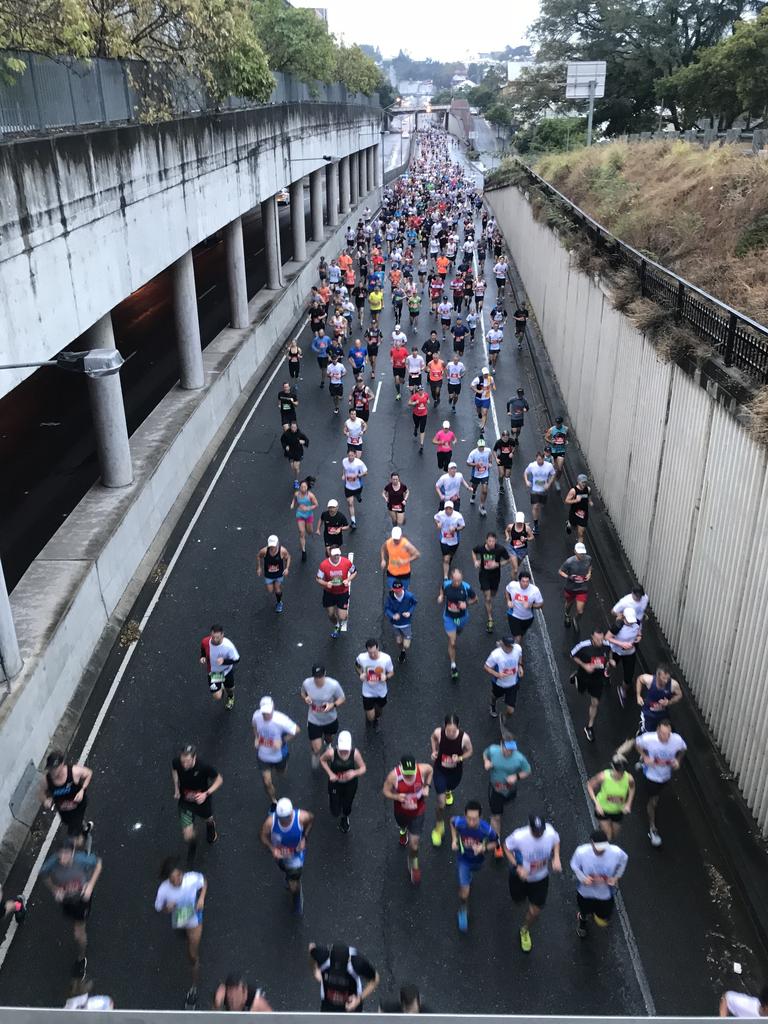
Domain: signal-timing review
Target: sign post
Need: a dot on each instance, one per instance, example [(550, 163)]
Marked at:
[(586, 80)]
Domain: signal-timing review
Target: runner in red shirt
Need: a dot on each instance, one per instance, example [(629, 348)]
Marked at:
[(335, 575), (419, 400), (398, 354), (407, 785), (435, 294)]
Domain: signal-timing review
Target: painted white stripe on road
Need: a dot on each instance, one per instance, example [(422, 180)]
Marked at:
[(376, 398), (123, 667), (626, 927), (343, 626)]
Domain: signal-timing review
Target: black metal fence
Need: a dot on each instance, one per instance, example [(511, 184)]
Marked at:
[(54, 94), (740, 341)]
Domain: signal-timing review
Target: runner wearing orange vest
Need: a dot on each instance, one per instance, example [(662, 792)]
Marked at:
[(397, 553)]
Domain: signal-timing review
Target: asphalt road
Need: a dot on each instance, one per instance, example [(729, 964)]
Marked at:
[(680, 912), (47, 450)]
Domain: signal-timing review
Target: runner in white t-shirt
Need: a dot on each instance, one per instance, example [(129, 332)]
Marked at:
[(454, 372), (353, 469), (539, 477), (662, 754), (448, 486), (505, 667), (272, 732), (375, 668), (523, 598), (450, 524), (531, 851), (354, 428), (480, 461), (738, 1004)]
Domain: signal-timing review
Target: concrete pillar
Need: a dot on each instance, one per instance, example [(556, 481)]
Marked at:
[(108, 412), (378, 170), (298, 226), (188, 346), (272, 242), (316, 204), (332, 193), (354, 180), (238, 289), (344, 196), (10, 655), (370, 156), (363, 159)]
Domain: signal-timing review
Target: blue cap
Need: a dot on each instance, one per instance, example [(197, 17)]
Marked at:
[(509, 744)]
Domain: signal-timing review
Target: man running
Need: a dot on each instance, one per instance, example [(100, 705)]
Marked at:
[(354, 430), (662, 755), (448, 486), (505, 667), (373, 336), (612, 792), (483, 386), (623, 638), (398, 355), (451, 747), (219, 656), (521, 315), (273, 563), (284, 833), (488, 559), (287, 403), (456, 596), (407, 786), (335, 575), (577, 572), (294, 444), (594, 660), (557, 438), (637, 599), (506, 766), (346, 978), (194, 782), (323, 696), (235, 995), (598, 866), (517, 407), (579, 503), (343, 764), (523, 598), (539, 477), (320, 345), (397, 554), (375, 669), (398, 608), (272, 732), (470, 836), (454, 373), (479, 460), (336, 371), (531, 851), (450, 523), (503, 454), (333, 524), (353, 470), (71, 875), (518, 535), (415, 365), (65, 790), (435, 374)]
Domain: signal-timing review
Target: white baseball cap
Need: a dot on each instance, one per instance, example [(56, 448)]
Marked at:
[(580, 549), (266, 705), (335, 551), (484, 371), (272, 540), (332, 503), (446, 424), (452, 465), (344, 742), (519, 517), (448, 504), (397, 533), (284, 807)]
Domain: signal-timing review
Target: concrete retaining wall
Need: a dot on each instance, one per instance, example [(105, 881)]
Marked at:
[(65, 600), (685, 486), (89, 217)]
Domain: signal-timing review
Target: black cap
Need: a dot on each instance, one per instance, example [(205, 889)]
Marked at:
[(537, 824), (188, 749), (408, 764), (558, 419), (509, 641), (318, 670), (397, 585), (520, 391), (54, 759)]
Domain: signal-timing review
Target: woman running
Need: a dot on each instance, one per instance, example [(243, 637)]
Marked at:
[(294, 356), (305, 504), (182, 895), (612, 793)]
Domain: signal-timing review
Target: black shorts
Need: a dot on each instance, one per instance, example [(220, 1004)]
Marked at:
[(293, 874), (354, 492), (454, 389), (414, 379), (399, 372), (318, 732), (505, 462), (447, 779), (74, 819), (490, 580), (273, 766), (419, 423), (600, 908), (445, 321), (539, 498), (336, 389), (534, 892), (498, 801), (322, 362), (516, 424), (458, 347), (509, 693), (369, 703), (518, 627), (288, 417), (593, 684), (652, 788), (605, 816), (77, 909), (335, 600), (373, 348), (578, 520), (449, 549)]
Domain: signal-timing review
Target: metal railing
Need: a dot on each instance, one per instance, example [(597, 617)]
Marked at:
[(55, 94), (740, 341)]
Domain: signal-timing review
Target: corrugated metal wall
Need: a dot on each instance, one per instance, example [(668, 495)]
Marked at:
[(684, 484)]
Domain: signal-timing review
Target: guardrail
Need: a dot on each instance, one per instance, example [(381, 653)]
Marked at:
[(757, 138), (740, 341), (55, 94)]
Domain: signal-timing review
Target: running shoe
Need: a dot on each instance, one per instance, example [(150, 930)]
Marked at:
[(437, 834), (589, 732), (421, 451), (567, 621), (601, 922), (353, 523), (344, 824), (489, 626), (211, 834), (229, 703), (462, 919), (492, 711), (622, 697), (525, 940), (403, 838), (279, 606), (397, 397), (303, 556), (498, 853), (581, 926), (402, 656), (655, 838), (20, 910), (483, 510), (335, 633), (454, 675), (535, 529), (557, 486), (190, 999), (295, 485), (472, 500), (568, 526), (449, 799)]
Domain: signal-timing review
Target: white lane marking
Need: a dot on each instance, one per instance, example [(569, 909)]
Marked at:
[(376, 398), (626, 927), (345, 624), (122, 668)]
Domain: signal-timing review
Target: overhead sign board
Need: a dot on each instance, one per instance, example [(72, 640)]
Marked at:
[(580, 74)]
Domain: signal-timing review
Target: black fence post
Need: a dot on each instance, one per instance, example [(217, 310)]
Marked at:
[(729, 340), (642, 278), (680, 301)]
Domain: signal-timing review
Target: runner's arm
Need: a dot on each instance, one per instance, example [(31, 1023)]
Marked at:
[(175, 780), (217, 783)]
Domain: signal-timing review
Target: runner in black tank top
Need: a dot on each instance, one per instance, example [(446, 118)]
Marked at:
[(451, 746), (235, 995), (273, 563), (343, 765), (64, 784)]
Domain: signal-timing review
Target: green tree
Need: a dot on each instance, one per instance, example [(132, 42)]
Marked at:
[(44, 26), (295, 40), (552, 135), (356, 71)]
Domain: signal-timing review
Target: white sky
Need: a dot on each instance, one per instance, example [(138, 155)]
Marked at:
[(479, 26)]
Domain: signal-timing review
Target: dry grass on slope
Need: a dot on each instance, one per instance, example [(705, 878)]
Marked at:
[(702, 213)]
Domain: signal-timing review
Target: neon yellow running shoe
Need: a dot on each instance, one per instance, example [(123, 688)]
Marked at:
[(448, 799), (525, 940), (437, 834)]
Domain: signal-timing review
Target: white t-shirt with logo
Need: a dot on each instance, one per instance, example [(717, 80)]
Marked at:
[(376, 671), (454, 372), (354, 431), (353, 473), (450, 525), (507, 663), (480, 460), (328, 693), (663, 755), (522, 599), (450, 486), (415, 365), (539, 476), (534, 851), (336, 372), (270, 735), (609, 864)]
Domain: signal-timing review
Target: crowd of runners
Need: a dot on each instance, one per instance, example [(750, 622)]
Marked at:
[(427, 252)]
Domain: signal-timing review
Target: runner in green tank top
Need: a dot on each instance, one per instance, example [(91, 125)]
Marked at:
[(612, 793)]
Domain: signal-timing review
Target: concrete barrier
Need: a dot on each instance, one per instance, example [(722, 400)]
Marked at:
[(64, 605)]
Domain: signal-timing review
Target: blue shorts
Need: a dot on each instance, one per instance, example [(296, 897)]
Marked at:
[(453, 625), (405, 631), (483, 403), (273, 579), (466, 869)]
